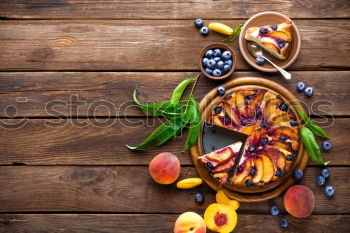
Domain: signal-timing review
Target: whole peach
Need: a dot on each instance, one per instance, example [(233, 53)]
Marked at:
[(190, 222), (165, 168), (299, 201)]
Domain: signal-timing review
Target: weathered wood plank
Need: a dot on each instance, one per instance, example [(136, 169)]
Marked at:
[(158, 223), (37, 144), (131, 189), (78, 93), (179, 9), (146, 45)]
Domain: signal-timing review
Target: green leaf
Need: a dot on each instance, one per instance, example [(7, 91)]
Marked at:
[(311, 125), (179, 90), (235, 33), (310, 143), (165, 109), (195, 120)]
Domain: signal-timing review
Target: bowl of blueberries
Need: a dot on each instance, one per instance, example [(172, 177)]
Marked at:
[(217, 61)]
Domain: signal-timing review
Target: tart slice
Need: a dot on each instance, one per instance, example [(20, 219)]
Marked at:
[(220, 163), (275, 39)]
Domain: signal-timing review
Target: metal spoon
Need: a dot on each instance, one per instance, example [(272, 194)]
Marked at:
[(256, 51)]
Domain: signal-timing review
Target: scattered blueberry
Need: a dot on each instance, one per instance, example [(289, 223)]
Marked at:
[(263, 124), (221, 90), (217, 53), (199, 197), (205, 61), (290, 157), (260, 60), (252, 172), (211, 64), (263, 31), (283, 107), (226, 55), (198, 23), (293, 122), (283, 138), (249, 183), (300, 86), (218, 109), (320, 180), (308, 91), (284, 222), (325, 172), (298, 174), (209, 53), (274, 27), (281, 44), (217, 59), (326, 145), (329, 190), (264, 141), (274, 211), (217, 73), (209, 71), (226, 68), (220, 65), (204, 31), (228, 62), (278, 173)]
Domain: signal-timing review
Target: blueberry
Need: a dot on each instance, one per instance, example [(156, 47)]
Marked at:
[(284, 222), (205, 61), (221, 90), (252, 172), (217, 73), (278, 173), (320, 180), (283, 138), (329, 191), (263, 31), (298, 174), (217, 53), (260, 60), (281, 44), (257, 112), (290, 157), (209, 166), (217, 59), (218, 109), (274, 211), (199, 197), (283, 107), (211, 64), (263, 141), (249, 183), (228, 97), (309, 91), (209, 71), (220, 65), (263, 124), (227, 120), (251, 148), (293, 122), (198, 23), (326, 145), (274, 27), (209, 54), (325, 172), (228, 62), (249, 97), (226, 69), (226, 55), (245, 121), (204, 31), (300, 86)]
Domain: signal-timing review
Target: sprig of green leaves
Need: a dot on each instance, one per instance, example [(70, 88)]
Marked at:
[(235, 33)]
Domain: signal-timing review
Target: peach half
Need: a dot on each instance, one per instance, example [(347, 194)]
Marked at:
[(190, 222), (222, 198), (220, 218), (165, 168), (299, 201)]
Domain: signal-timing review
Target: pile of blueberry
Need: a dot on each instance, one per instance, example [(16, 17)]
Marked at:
[(217, 62), (199, 24), (308, 91)]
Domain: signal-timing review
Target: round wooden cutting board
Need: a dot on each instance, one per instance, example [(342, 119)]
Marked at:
[(248, 194)]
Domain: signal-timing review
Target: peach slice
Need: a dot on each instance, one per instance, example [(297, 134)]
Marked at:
[(279, 149), (232, 100), (299, 201), (284, 130), (277, 158), (270, 108), (271, 46), (240, 103), (268, 96), (189, 183), (222, 198), (246, 167), (232, 114), (279, 35), (255, 102), (165, 168), (259, 170), (190, 222), (281, 145), (220, 218), (219, 156), (217, 121), (269, 169)]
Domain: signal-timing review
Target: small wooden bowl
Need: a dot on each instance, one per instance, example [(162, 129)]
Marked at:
[(217, 46)]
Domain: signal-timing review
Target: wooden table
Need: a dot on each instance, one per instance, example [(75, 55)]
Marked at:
[(80, 60)]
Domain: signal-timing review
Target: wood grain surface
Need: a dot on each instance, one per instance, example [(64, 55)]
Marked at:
[(125, 45)]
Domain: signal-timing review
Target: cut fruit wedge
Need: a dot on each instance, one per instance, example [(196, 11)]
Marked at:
[(259, 170), (222, 198), (189, 183), (220, 28), (269, 170), (239, 177)]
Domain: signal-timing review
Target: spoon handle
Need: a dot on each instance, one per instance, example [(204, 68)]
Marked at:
[(285, 74)]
